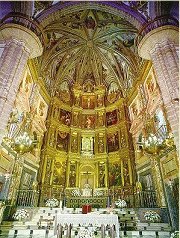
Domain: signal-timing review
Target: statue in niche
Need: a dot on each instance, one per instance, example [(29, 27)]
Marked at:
[(52, 138), (87, 191), (99, 100), (87, 144), (123, 140), (75, 119), (72, 179), (101, 175), (101, 145), (100, 119), (74, 146)]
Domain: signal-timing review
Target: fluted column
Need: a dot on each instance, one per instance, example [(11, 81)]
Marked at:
[(20, 45), (159, 46)]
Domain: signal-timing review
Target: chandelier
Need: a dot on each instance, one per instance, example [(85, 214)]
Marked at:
[(18, 136), (23, 143), (156, 142)]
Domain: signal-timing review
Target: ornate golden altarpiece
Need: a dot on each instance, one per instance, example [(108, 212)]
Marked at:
[(87, 143)]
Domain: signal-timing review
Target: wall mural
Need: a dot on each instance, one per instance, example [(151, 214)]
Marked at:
[(62, 141), (65, 117), (59, 175), (111, 118), (115, 174), (113, 142)]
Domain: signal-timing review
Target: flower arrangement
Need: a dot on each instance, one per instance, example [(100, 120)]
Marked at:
[(21, 214), (86, 233), (175, 234), (76, 193), (52, 202), (152, 216), (120, 203), (98, 193)]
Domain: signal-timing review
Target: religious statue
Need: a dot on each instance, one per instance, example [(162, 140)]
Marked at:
[(86, 191)]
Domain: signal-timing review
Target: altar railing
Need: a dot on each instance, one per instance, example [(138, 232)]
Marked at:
[(27, 198)]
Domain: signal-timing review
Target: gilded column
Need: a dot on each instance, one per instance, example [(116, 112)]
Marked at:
[(159, 45)]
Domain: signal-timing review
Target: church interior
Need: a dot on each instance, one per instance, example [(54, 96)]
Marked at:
[(89, 112)]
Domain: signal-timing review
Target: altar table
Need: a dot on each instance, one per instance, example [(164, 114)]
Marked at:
[(89, 219)]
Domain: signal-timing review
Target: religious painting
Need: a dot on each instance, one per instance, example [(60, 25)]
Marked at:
[(126, 174), (64, 92), (113, 142), (72, 175), (101, 175), (88, 121), (111, 118), (88, 101), (74, 143), (65, 117), (59, 173), (87, 145), (62, 141), (115, 174), (113, 92), (101, 146)]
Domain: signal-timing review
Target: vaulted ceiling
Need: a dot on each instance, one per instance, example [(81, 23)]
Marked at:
[(89, 43)]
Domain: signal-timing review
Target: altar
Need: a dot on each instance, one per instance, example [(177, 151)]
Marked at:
[(89, 220)]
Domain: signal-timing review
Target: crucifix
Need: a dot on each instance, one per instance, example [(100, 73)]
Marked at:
[(87, 177)]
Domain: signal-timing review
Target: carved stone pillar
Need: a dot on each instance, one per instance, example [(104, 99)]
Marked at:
[(159, 46), (20, 45)]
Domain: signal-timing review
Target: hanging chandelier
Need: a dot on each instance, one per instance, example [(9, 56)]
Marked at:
[(155, 142), (23, 143)]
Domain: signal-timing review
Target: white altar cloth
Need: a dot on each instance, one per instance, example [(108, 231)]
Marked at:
[(89, 218)]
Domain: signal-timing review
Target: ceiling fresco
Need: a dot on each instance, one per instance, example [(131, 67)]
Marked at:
[(89, 44)]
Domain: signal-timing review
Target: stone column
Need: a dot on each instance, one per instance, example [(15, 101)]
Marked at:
[(20, 45), (159, 46)]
